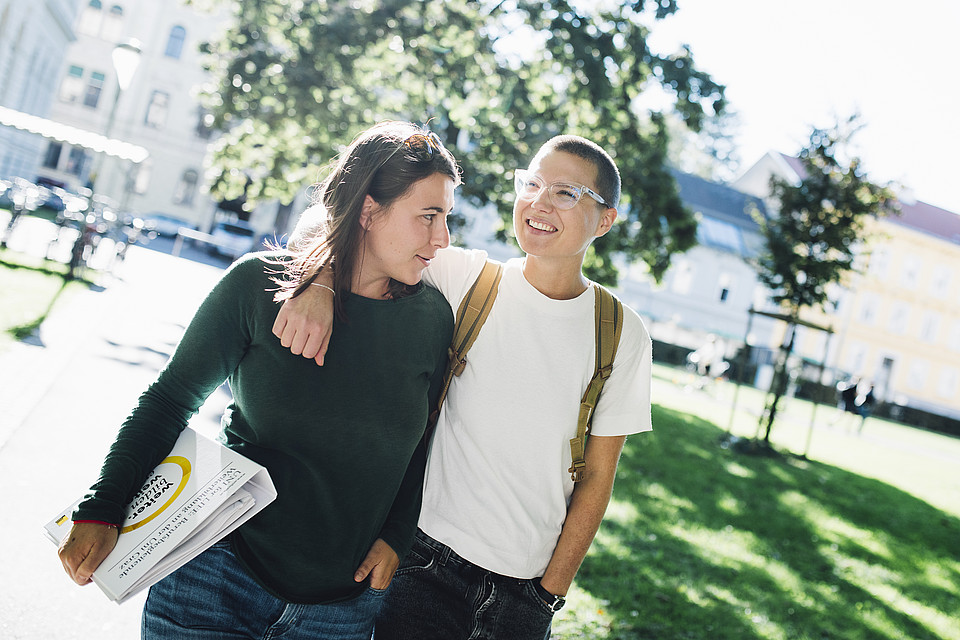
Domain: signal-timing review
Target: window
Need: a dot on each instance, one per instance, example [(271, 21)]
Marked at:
[(868, 309), (929, 326), (947, 384), (880, 262), (77, 161), (175, 42), (898, 318), (953, 340), (94, 87), (724, 287), (911, 272), (52, 158), (112, 29), (855, 357), (917, 376), (204, 124), (91, 18), (940, 282), (719, 234), (186, 188), (157, 110), (72, 86)]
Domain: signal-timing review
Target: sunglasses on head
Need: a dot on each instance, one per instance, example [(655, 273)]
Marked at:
[(424, 145)]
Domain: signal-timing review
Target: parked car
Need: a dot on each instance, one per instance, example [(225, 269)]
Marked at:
[(18, 193), (232, 239), (164, 225)]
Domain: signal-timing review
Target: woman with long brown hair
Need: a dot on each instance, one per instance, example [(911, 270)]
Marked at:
[(343, 443)]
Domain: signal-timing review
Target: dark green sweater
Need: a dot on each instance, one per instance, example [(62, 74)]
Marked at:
[(336, 439)]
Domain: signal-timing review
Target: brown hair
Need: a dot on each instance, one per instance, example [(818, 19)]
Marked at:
[(379, 162)]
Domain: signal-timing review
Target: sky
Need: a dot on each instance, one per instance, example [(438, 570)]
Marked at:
[(791, 64)]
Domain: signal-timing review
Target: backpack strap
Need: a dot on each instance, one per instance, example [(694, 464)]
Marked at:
[(473, 311), (609, 324)]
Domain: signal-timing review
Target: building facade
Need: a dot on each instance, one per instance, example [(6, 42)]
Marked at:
[(159, 109), (710, 289), (34, 38), (895, 322)]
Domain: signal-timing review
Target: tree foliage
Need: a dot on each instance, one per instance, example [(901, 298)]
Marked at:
[(813, 240), (294, 80)]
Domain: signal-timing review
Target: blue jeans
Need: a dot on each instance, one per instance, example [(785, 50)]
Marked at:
[(213, 597), (437, 595)]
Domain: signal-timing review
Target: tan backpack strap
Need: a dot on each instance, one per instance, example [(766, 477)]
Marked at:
[(473, 311), (609, 323)]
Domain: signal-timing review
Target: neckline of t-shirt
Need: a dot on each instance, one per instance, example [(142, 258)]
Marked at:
[(572, 307)]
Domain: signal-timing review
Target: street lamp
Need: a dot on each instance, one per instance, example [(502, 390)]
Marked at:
[(126, 59)]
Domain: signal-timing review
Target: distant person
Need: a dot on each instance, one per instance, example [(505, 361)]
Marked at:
[(848, 396), (504, 528), (344, 443), (864, 405), (708, 360)]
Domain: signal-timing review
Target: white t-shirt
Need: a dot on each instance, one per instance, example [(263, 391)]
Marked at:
[(497, 486)]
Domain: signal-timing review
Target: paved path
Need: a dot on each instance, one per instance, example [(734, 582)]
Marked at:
[(62, 396)]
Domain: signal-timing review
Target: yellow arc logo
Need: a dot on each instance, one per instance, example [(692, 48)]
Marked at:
[(184, 465)]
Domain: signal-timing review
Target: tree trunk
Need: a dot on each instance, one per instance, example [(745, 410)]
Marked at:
[(781, 378)]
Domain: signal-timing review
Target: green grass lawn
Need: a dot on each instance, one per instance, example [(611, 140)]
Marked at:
[(29, 289), (701, 541)]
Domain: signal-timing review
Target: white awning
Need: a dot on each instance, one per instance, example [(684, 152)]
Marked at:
[(72, 135)]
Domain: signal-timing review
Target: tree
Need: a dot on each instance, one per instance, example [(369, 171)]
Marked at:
[(812, 241), (293, 80)]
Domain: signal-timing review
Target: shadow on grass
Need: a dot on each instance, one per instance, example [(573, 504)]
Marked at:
[(705, 542), (27, 331)]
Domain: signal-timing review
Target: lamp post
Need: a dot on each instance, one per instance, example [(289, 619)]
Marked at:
[(126, 59)]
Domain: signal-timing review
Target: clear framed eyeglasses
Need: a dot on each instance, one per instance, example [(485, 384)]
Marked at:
[(563, 195)]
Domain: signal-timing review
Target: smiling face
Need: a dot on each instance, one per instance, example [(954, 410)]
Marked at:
[(542, 230), (401, 240)]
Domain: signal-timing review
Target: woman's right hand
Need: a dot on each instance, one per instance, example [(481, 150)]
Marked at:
[(85, 547), (304, 324)]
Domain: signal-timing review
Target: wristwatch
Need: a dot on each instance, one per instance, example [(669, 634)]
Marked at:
[(553, 601)]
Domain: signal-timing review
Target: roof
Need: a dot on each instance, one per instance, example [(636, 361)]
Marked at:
[(916, 215), (72, 135), (725, 222), (796, 164), (718, 200), (929, 219)]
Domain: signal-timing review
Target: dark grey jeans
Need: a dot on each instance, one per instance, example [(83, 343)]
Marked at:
[(437, 595)]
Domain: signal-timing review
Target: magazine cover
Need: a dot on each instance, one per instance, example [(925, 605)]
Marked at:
[(197, 495)]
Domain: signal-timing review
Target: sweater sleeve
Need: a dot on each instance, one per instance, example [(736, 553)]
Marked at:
[(210, 349)]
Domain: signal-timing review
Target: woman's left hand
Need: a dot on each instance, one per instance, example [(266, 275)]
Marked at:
[(380, 564)]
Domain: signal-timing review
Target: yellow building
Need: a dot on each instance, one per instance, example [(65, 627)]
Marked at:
[(896, 323)]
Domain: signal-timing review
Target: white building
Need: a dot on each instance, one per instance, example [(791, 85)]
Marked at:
[(158, 111), (34, 37), (711, 288)]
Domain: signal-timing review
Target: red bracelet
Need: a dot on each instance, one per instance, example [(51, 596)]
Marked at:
[(106, 524)]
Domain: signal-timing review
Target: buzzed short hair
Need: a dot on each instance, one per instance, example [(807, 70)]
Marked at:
[(608, 176)]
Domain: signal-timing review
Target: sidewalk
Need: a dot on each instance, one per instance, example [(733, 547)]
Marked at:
[(63, 395)]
